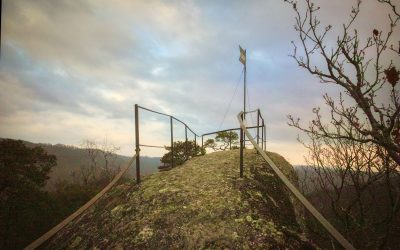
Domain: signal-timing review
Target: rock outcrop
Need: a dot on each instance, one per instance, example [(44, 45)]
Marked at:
[(201, 204)]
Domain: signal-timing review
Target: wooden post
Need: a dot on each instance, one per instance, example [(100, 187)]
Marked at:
[(172, 143), (137, 144), (241, 150)]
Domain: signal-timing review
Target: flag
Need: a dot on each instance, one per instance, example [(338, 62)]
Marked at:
[(242, 57)]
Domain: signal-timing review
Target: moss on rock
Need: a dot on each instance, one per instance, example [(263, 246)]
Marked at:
[(201, 204)]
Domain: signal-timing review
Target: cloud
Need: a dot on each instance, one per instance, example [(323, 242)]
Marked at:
[(72, 70)]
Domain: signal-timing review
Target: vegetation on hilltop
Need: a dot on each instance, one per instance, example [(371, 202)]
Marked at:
[(183, 150), (200, 204), (223, 141)]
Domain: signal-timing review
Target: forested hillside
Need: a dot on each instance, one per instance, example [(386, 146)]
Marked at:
[(41, 184), (70, 159)]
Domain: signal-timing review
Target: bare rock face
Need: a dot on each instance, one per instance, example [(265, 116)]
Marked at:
[(201, 204)]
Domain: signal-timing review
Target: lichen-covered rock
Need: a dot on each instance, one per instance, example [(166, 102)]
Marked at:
[(201, 204), (75, 242), (145, 234)]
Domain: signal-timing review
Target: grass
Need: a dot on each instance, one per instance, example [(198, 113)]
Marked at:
[(202, 204)]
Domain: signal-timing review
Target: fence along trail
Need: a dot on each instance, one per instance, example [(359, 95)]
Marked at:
[(338, 236), (244, 132)]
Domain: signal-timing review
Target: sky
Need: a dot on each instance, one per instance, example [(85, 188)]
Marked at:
[(73, 70)]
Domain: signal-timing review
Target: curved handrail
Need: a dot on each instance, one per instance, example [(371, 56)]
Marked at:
[(328, 226), (173, 117), (78, 212)]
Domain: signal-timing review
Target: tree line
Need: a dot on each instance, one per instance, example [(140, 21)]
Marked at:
[(27, 210)]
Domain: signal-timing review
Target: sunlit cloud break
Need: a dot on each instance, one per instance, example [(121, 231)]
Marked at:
[(73, 70)]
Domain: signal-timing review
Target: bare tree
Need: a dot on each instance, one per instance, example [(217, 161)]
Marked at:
[(358, 67), (102, 161), (355, 150), (108, 153), (357, 185), (88, 172)]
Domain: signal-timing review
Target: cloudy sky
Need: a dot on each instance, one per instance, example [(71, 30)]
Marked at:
[(73, 70)]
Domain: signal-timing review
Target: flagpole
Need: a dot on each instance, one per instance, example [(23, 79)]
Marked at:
[(244, 91), (242, 59)]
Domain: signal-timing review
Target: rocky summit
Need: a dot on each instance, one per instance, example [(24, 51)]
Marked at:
[(202, 204)]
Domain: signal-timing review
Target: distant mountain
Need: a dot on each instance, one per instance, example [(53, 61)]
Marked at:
[(71, 158), (308, 178), (306, 174)]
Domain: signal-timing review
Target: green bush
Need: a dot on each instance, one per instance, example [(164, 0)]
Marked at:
[(182, 152)]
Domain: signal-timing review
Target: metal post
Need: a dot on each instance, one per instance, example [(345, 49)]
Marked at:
[(172, 143), (186, 142), (137, 144), (241, 150), (262, 135), (1, 14), (202, 144), (258, 126), (230, 140), (244, 86), (265, 138), (195, 144)]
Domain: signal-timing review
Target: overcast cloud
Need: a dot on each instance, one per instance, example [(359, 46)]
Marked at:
[(72, 70)]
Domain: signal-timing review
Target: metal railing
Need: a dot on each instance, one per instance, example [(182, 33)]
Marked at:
[(260, 135), (137, 137), (325, 223), (243, 138), (136, 158), (232, 129)]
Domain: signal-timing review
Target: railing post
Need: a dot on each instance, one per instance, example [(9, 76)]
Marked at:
[(241, 150), (265, 138), (230, 140), (195, 144), (262, 135), (172, 143), (258, 126), (186, 142), (137, 144)]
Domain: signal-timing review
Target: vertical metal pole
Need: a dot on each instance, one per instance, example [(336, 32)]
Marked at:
[(241, 150), (137, 143), (244, 87), (186, 142), (242, 143), (195, 144), (172, 143), (258, 127), (202, 144), (262, 135), (265, 138), (1, 15), (230, 140)]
